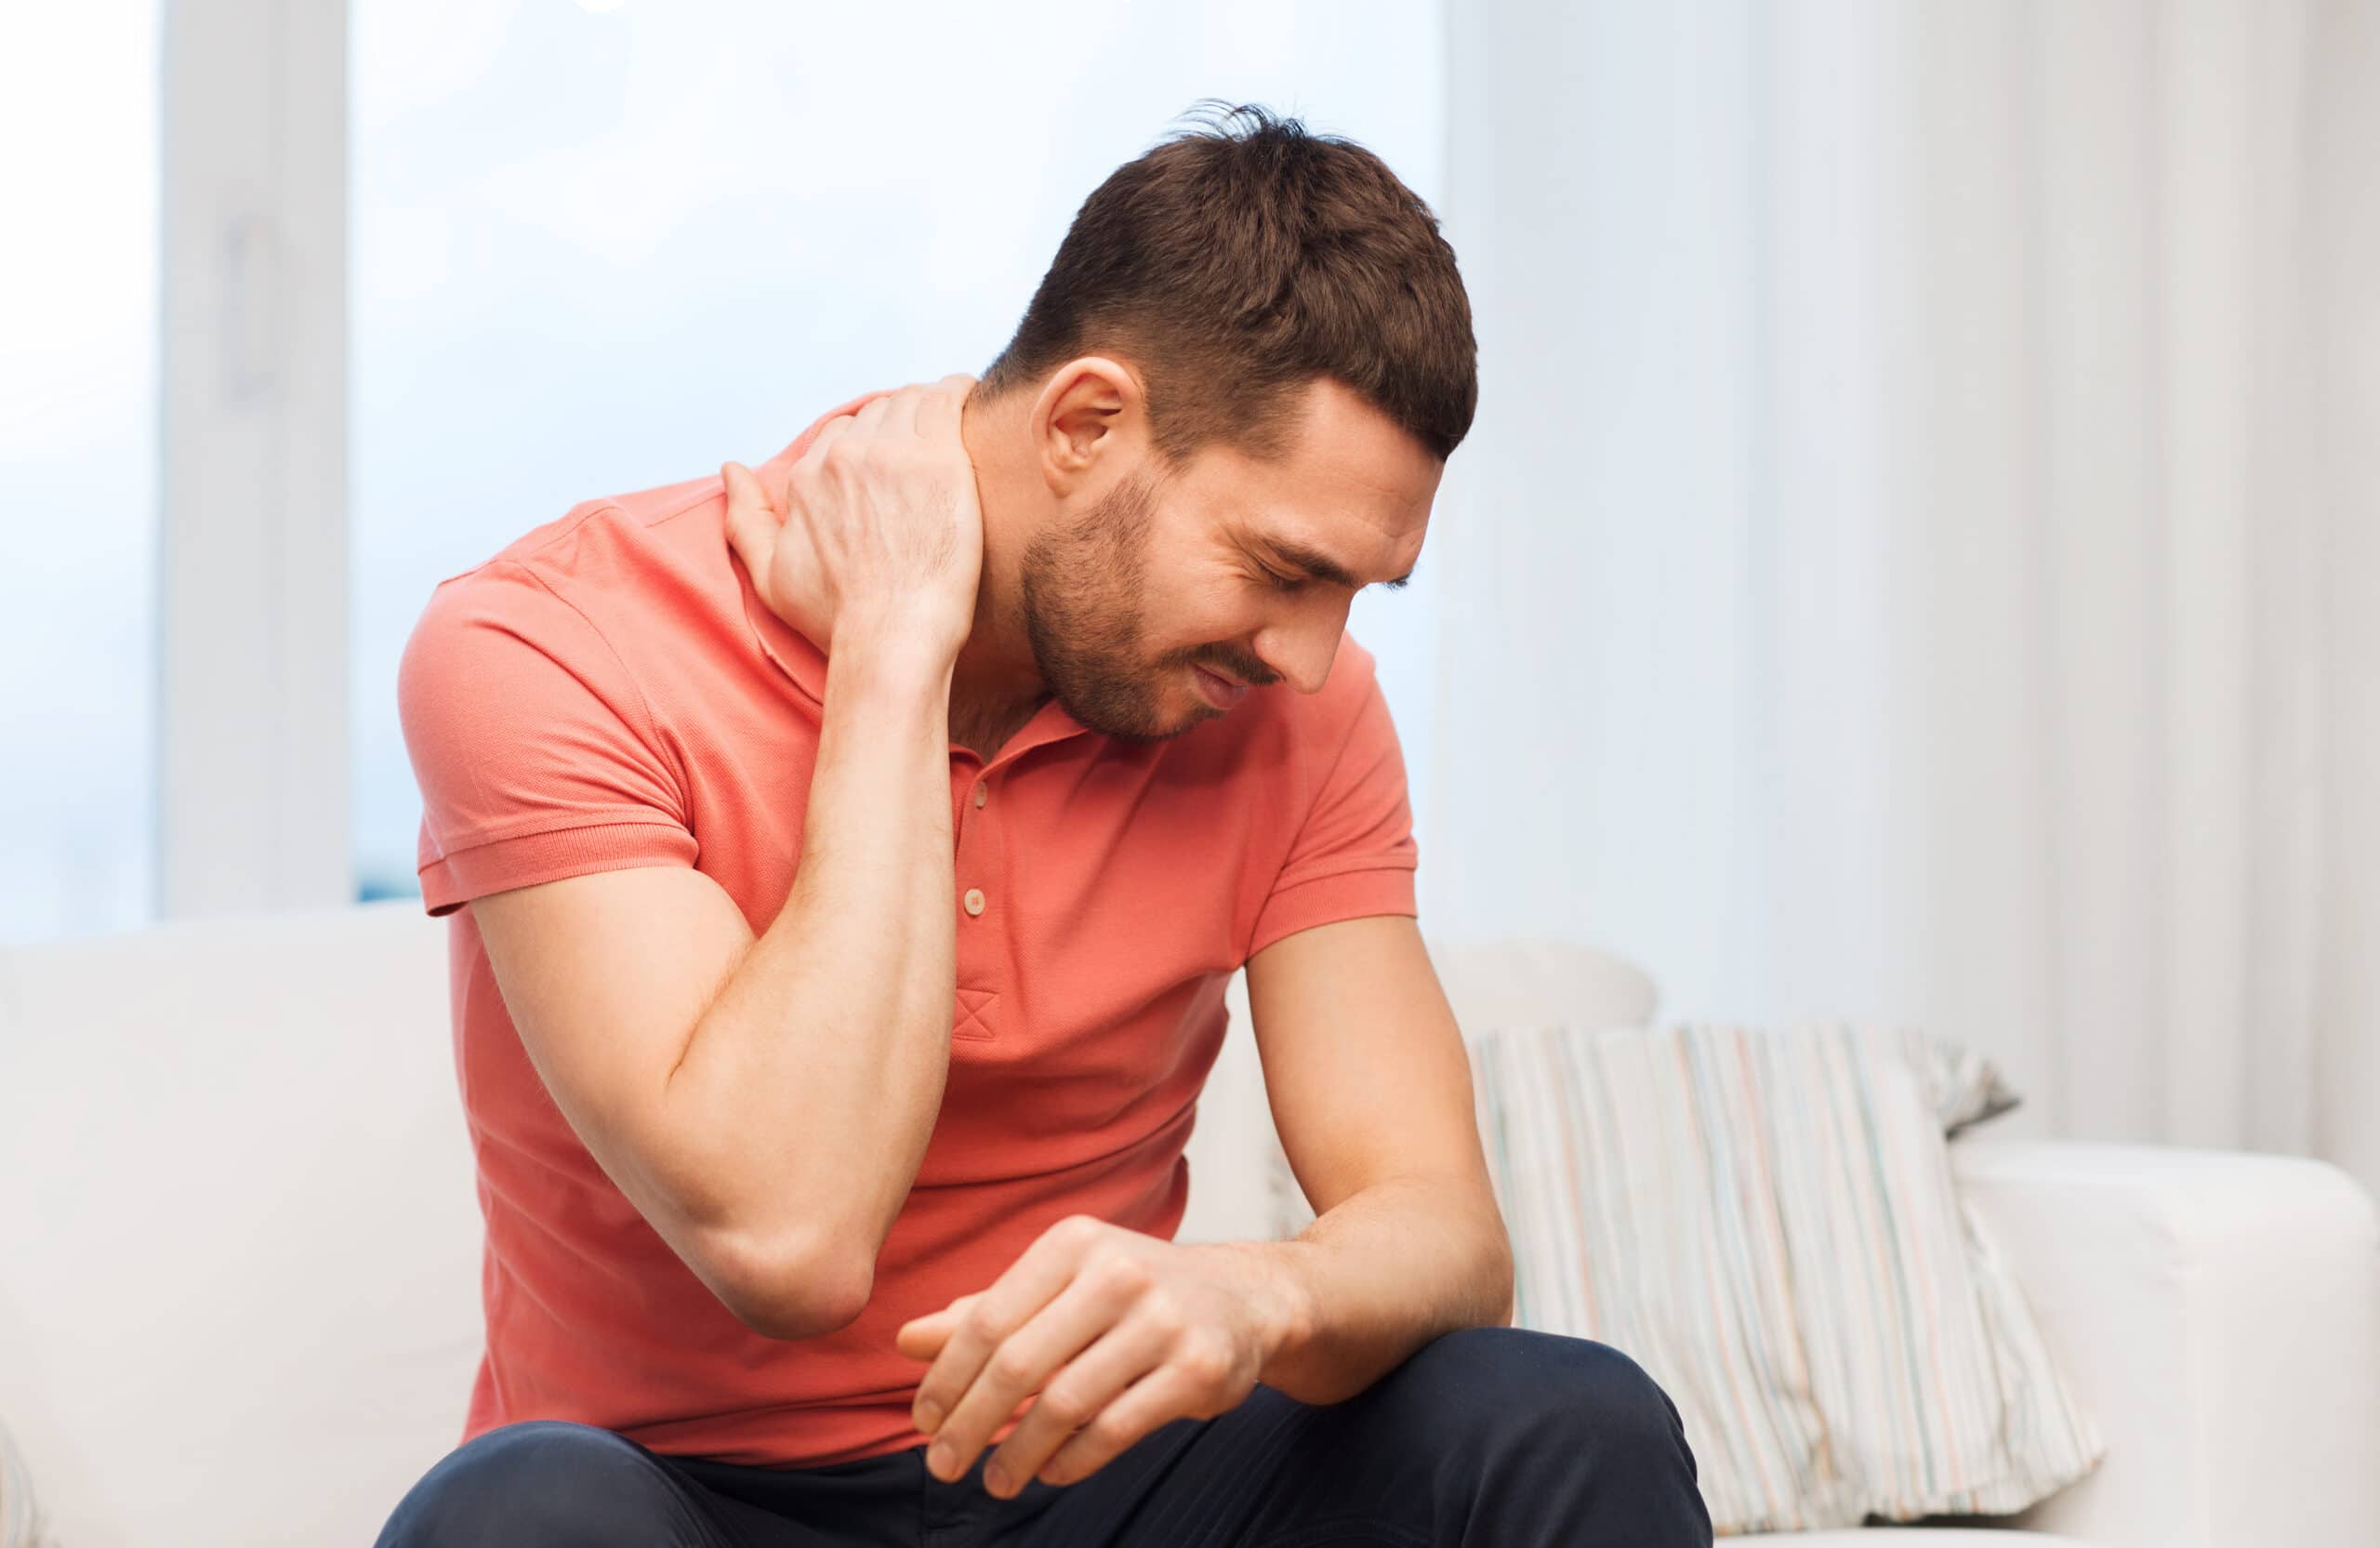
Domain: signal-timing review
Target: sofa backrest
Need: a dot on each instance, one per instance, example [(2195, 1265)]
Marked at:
[(240, 1246), (239, 1252)]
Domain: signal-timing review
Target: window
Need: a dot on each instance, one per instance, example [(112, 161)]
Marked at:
[(78, 468)]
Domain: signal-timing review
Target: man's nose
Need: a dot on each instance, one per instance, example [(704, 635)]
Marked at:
[(1301, 649)]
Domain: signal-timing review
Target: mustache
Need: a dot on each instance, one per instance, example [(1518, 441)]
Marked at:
[(1237, 663)]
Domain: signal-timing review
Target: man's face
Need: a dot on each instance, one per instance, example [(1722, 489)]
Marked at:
[(1241, 568)]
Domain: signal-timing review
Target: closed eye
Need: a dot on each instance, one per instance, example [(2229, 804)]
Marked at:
[(1317, 567)]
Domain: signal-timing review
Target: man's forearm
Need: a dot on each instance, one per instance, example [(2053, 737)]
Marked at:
[(820, 1063), (1383, 1273)]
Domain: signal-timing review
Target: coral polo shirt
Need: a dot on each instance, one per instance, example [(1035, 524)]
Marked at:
[(609, 692)]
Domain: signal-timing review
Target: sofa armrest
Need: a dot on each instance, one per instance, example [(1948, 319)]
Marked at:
[(2218, 1314)]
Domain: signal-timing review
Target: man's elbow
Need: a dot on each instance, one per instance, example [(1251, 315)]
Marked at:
[(794, 1292)]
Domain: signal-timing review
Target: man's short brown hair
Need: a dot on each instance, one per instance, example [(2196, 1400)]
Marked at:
[(1242, 257)]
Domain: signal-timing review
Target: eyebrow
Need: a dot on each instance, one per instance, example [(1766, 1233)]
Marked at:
[(1321, 566)]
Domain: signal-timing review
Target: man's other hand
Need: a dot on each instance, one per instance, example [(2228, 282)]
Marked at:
[(1119, 1331)]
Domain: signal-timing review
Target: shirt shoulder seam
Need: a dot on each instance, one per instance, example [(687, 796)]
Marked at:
[(588, 511)]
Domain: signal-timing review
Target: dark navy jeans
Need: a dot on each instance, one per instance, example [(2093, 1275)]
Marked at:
[(1487, 1436)]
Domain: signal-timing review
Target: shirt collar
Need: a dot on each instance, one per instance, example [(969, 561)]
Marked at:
[(802, 661)]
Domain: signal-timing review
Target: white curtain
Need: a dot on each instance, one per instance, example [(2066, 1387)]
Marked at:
[(1919, 556)]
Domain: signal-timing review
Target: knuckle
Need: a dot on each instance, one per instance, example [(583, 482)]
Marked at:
[(1066, 1403), (1123, 1274), (1010, 1367), (1201, 1361), (1107, 1434), (1100, 1439), (979, 1322)]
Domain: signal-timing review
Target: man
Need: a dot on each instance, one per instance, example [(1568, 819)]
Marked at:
[(846, 858)]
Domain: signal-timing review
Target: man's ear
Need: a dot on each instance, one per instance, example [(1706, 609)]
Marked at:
[(1091, 409)]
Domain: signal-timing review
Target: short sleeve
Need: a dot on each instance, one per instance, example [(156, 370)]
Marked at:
[(536, 755), (1354, 855)]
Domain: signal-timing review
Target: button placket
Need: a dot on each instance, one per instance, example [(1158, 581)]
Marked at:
[(972, 898), (979, 953)]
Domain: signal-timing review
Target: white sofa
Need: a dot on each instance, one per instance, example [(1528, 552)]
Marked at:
[(239, 1255)]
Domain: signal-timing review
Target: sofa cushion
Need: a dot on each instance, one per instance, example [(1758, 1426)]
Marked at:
[(1769, 1217)]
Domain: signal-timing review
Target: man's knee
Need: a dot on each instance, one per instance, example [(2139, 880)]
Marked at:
[(1543, 1384), (541, 1483)]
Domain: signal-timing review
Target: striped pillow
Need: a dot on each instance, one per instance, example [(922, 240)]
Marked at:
[(1766, 1222)]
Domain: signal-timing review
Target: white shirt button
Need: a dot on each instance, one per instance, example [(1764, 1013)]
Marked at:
[(974, 900), (983, 792)]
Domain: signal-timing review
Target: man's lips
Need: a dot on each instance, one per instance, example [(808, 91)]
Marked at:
[(1220, 691)]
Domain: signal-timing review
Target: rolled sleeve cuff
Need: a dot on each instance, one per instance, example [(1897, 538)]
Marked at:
[(501, 865), (1349, 894)]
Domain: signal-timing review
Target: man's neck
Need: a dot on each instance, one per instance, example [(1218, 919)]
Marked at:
[(995, 686)]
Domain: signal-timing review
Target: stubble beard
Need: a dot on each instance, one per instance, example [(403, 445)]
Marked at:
[(1080, 590)]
